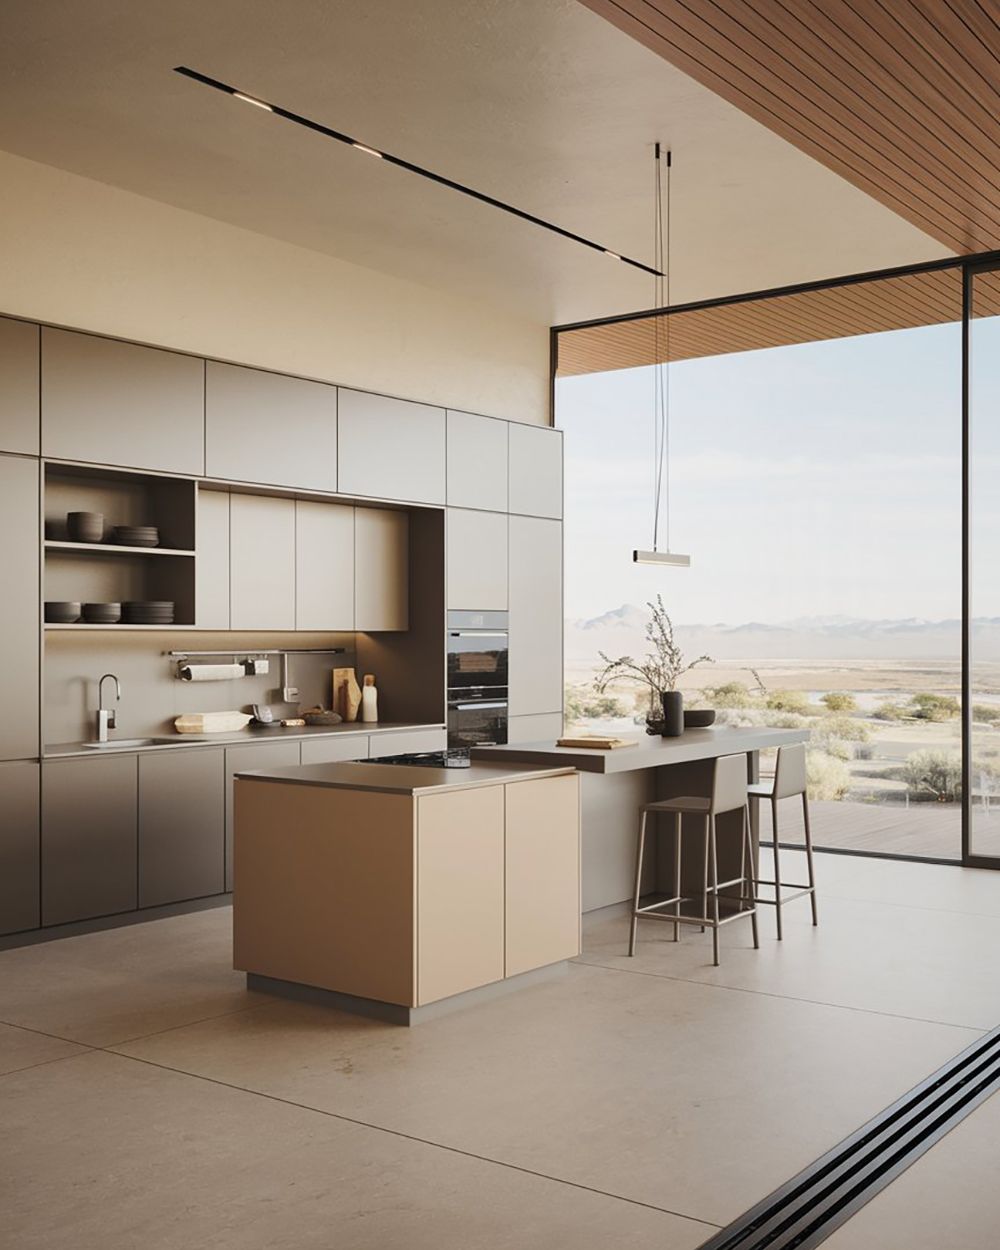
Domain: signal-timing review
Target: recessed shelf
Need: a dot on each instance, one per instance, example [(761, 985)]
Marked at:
[(112, 549)]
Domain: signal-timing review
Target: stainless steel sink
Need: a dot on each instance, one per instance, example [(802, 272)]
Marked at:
[(129, 744)]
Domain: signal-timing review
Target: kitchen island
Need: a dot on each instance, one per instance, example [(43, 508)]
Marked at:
[(626, 778), (400, 891)]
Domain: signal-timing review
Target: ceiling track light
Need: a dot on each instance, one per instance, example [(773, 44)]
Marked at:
[(398, 161)]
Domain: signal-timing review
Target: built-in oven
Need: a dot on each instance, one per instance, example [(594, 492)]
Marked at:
[(477, 678)]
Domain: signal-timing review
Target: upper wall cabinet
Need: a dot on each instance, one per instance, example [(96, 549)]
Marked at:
[(324, 565), (211, 597), (536, 625), (535, 470), (116, 403), (391, 449), (477, 462), (262, 562), (477, 560), (381, 569), (269, 428), (19, 386)]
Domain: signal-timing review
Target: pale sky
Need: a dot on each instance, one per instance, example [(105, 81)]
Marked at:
[(813, 480)]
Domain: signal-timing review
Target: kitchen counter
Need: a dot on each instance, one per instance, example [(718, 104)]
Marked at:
[(242, 737), (401, 779)]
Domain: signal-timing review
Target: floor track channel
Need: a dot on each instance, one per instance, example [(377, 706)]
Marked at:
[(809, 1207)]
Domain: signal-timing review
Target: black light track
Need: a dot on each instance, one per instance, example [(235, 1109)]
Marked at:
[(808, 1208), (400, 163)]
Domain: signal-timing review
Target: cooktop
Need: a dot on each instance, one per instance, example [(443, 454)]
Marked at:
[(455, 757)]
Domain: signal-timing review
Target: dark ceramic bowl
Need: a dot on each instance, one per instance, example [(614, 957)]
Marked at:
[(699, 717), (62, 612)]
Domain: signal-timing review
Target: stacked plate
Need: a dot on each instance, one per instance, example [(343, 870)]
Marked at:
[(102, 613), (149, 612), (137, 535)]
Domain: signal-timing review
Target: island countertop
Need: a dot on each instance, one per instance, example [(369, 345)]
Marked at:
[(404, 779), (648, 751)]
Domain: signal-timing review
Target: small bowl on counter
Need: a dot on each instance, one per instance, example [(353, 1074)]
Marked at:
[(699, 717), (61, 612)]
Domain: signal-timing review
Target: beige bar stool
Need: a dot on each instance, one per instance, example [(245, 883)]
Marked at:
[(789, 781), (729, 794)]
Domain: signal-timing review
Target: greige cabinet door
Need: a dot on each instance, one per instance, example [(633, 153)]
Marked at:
[(115, 403), (182, 825), (460, 891), (261, 562), (19, 486), (335, 749), (212, 560), (546, 727), (536, 470), (88, 837), (477, 462), (324, 566), (381, 569), (270, 428), (536, 624), (19, 847), (19, 420), (243, 759), (541, 873), (391, 448), (477, 560)]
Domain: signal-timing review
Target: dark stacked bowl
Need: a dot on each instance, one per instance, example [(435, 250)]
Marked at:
[(102, 613), (61, 612), (85, 527), (149, 612), (137, 535)]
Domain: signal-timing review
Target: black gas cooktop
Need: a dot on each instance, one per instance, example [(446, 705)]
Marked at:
[(457, 757)]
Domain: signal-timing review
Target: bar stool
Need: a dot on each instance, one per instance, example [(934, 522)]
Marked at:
[(789, 781), (729, 794)]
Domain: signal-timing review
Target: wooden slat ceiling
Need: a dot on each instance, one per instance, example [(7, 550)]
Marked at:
[(930, 298), (900, 97)]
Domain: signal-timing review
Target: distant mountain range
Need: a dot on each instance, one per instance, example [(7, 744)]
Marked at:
[(622, 632)]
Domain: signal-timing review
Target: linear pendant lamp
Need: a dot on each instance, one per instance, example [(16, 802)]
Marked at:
[(661, 380), (337, 135)]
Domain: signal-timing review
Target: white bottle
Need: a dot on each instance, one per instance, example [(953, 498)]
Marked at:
[(369, 700)]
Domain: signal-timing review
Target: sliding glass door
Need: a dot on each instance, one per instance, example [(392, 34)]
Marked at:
[(982, 721)]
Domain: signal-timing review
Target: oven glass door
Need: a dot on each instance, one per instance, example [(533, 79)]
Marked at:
[(476, 659), (477, 723)]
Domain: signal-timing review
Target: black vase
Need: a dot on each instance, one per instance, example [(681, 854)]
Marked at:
[(673, 713)]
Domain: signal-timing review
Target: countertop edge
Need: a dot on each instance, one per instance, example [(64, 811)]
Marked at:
[(504, 776)]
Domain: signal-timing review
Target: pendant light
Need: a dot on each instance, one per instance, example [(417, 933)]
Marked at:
[(661, 378)]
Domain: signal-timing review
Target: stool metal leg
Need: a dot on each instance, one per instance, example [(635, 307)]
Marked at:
[(809, 857), (710, 831), (638, 883), (677, 874), (777, 866), (748, 878), (704, 877)]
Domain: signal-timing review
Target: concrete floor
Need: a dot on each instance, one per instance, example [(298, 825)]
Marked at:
[(148, 1100)]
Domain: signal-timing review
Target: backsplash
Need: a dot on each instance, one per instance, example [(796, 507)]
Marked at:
[(152, 695)]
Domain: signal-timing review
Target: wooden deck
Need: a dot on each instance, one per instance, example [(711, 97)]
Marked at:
[(928, 829)]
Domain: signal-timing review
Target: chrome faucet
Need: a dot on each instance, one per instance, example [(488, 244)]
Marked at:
[(107, 717)]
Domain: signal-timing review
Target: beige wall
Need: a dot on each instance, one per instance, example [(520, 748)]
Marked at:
[(84, 254)]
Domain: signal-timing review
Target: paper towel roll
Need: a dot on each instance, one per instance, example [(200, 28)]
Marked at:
[(211, 672)]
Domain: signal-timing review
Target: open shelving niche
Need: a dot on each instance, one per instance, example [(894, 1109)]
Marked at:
[(107, 572)]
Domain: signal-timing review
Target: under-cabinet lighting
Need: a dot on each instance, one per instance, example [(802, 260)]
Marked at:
[(248, 99), (662, 557)]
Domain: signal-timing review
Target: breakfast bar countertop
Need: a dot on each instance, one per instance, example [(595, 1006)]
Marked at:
[(406, 779), (648, 751)]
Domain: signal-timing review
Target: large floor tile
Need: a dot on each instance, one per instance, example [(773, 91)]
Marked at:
[(22, 1048), (674, 1094), (907, 961), (105, 987), (948, 1198), (108, 1154)]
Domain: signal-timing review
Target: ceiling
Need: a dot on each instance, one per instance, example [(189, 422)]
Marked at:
[(900, 97), (540, 103)]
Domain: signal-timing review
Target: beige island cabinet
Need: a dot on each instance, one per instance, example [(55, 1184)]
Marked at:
[(399, 891)]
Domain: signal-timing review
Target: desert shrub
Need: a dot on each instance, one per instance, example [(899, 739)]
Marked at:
[(934, 707), (827, 777), (783, 720), (839, 701), (583, 702), (935, 774), (731, 694), (844, 727), (890, 710), (985, 712), (788, 701), (839, 749)]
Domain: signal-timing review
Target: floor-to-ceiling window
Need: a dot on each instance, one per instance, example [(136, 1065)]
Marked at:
[(815, 478)]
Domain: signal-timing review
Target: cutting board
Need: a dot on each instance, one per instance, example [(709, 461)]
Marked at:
[(596, 743)]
